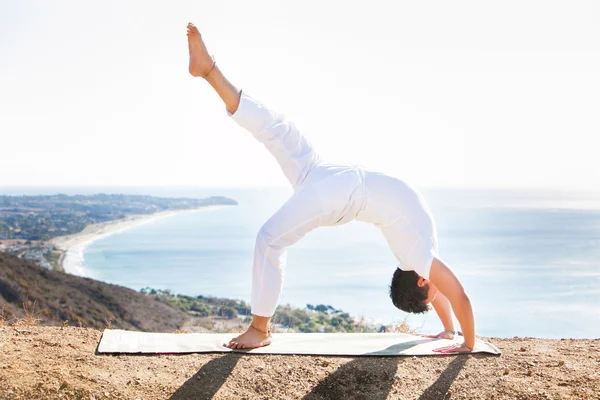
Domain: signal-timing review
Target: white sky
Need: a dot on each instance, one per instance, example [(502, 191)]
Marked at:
[(438, 93)]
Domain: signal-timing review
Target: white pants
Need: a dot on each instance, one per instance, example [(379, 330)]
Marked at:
[(328, 194)]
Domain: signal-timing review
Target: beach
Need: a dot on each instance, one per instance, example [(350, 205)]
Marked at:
[(72, 246)]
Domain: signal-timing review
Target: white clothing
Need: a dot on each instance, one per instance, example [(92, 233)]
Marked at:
[(324, 195)]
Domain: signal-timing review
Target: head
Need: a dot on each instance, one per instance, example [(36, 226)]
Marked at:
[(410, 292)]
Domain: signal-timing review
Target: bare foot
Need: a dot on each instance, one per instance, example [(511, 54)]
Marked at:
[(200, 61), (251, 339)]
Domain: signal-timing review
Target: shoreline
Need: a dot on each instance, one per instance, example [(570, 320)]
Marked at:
[(72, 246)]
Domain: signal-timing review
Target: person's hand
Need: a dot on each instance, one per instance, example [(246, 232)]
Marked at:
[(455, 348), (441, 335)]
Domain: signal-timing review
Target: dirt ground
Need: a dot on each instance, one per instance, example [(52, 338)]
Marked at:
[(53, 363)]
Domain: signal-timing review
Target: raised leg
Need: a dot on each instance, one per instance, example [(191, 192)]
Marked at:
[(293, 152)]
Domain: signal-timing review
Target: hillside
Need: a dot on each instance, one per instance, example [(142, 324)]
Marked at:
[(51, 363), (34, 218), (55, 297)]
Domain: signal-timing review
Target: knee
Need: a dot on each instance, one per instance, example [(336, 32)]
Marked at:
[(266, 237), (277, 128)]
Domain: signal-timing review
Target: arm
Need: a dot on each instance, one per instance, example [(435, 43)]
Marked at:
[(449, 285), (441, 305)]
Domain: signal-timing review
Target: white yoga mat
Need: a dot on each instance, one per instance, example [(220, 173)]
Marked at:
[(331, 344)]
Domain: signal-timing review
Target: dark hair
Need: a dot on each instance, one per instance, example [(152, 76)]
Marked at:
[(405, 293)]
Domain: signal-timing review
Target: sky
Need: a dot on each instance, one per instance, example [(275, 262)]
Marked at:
[(453, 94)]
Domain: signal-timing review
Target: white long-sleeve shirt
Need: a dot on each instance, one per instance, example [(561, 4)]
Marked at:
[(327, 194)]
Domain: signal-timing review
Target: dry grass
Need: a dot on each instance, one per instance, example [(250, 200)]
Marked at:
[(108, 322), (3, 321), (401, 327), (30, 318)]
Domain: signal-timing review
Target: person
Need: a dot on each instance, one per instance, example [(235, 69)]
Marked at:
[(327, 194)]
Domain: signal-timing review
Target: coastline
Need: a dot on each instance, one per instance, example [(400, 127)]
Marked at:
[(72, 246)]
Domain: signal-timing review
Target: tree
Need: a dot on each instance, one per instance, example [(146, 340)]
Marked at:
[(228, 312), (321, 308)]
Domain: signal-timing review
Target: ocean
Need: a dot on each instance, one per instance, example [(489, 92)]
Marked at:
[(529, 260)]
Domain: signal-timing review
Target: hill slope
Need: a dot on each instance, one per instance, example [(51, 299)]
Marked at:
[(51, 362), (56, 297)]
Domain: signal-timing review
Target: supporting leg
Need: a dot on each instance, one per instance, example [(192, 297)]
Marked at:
[(299, 215)]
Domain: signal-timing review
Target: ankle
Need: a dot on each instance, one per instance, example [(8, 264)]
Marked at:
[(214, 63), (261, 324), (266, 332)]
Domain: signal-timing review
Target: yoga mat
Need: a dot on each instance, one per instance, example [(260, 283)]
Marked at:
[(330, 344)]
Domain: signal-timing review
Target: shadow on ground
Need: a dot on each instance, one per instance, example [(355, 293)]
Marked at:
[(400, 347), (369, 378), (209, 379), (439, 389), (373, 375)]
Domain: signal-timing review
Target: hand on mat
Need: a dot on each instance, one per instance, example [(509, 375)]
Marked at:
[(441, 335), (455, 348)]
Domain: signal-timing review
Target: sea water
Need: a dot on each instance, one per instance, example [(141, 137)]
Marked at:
[(529, 260)]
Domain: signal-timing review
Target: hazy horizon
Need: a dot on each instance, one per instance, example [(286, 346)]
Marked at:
[(589, 190)]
